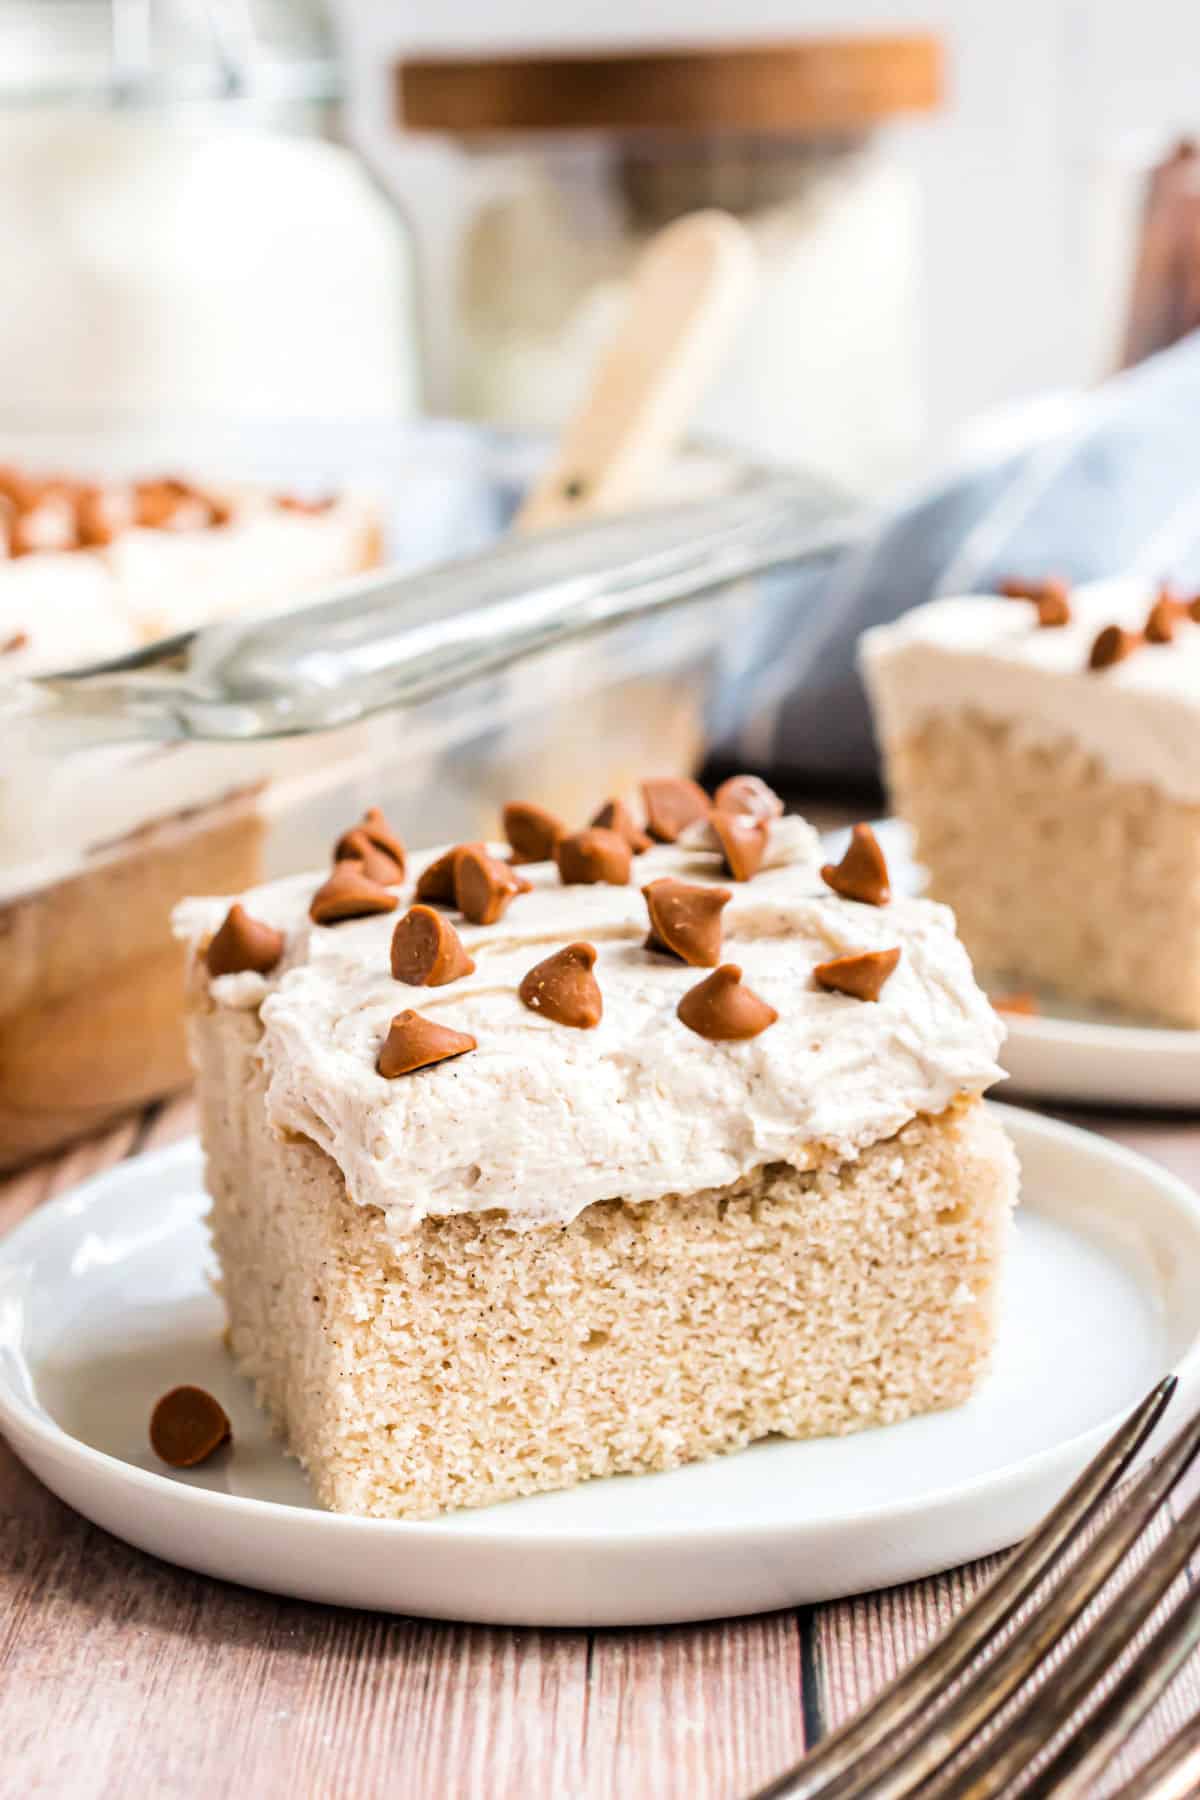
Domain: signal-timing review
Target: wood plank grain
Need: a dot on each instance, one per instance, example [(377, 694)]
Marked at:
[(695, 1712)]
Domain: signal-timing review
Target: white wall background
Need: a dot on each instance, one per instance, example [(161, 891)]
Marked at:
[(1022, 218)]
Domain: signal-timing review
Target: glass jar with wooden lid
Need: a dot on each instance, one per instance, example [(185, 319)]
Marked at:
[(557, 170)]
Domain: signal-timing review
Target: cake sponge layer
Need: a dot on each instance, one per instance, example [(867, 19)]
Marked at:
[(1058, 874), (472, 1362)]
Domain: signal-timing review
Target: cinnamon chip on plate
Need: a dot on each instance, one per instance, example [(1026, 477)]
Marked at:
[(614, 815), (671, 803), (18, 641), (436, 883), (722, 1009), (484, 888), (685, 920), (748, 794), (743, 842), (1112, 645), (563, 988), (1163, 619), (594, 855), (860, 973), (349, 894), (415, 1042), (532, 831), (243, 943), (427, 951), (379, 836), (1023, 1004), (1053, 611), (1052, 588), (187, 1426), (862, 873)]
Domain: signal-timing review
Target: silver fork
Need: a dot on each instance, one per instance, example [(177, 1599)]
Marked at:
[(931, 1715)]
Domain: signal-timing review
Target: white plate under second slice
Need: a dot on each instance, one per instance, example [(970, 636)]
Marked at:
[(105, 1301), (1070, 1052)]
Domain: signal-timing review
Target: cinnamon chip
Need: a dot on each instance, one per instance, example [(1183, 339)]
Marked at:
[(382, 847), (436, 883), (1053, 610), (299, 503), (861, 974), (593, 855), (414, 1042), (614, 815), (169, 504), (47, 525), (186, 1426), (743, 842), (1192, 608), (748, 794), (1113, 645), (243, 943), (721, 1009), (102, 514), (427, 951), (685, 920), (671, 803), (862, 873), (356, 847), (1025, 1004), (349, 894), (1163, 619), (1053, 588), (19, 640), (564, 989), (532, 831), (483, 887)]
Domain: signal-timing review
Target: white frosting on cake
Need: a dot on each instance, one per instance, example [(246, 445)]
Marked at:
[(62, 609), (541, 1120), (79, 606), (1140, 718)]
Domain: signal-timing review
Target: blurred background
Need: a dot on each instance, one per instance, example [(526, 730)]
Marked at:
[(951, 198)]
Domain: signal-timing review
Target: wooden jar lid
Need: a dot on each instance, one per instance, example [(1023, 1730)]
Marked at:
[(809, 85)]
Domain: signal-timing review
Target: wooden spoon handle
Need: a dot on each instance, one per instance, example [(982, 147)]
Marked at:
[(690, 291)]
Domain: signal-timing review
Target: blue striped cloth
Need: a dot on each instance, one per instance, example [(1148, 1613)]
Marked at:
[(1114, 487)]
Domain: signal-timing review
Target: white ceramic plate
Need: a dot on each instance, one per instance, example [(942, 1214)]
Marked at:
[(104, 1303), (1072, 1052)]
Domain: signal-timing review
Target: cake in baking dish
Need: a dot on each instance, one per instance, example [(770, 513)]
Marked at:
[(90, 570), (605, 1152), (1045, 747)]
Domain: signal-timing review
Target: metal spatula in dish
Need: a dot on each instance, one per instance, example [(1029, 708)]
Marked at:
[(388, 640)]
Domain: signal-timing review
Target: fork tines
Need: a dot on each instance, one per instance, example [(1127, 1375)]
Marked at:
[(920, 1736)]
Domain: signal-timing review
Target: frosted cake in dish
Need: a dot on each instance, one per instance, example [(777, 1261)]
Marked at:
[(605, 1152), (91, 570), (96, 848), (1045, 748)]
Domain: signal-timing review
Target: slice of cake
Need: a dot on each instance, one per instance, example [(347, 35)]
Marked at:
[(1045, 748), (603, 1155)]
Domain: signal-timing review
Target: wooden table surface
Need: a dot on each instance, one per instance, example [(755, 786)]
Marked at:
[(120, 1675)]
